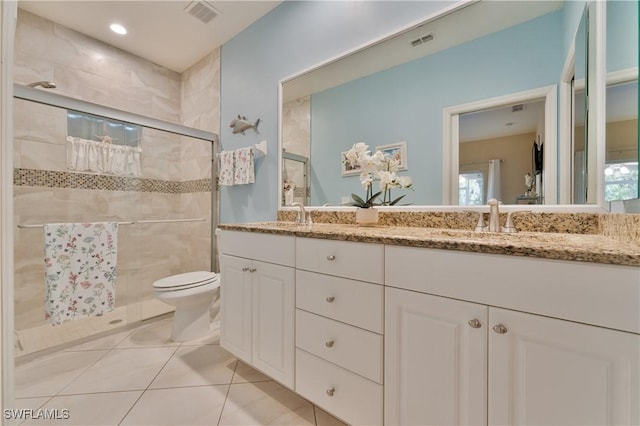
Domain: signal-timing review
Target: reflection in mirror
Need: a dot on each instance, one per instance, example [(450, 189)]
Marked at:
[(580, 153), (296, 142), (621, 155), (621, 161), (481, 51), (497, 155)]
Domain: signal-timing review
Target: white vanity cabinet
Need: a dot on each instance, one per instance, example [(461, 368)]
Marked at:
[(339, 324), (258, 301), (477, 360), (435, 360)]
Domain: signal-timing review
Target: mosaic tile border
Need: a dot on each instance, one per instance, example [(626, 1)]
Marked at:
[(55, 179)]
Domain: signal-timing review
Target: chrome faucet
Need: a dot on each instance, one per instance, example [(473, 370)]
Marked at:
[(301, 214), (303, 217), (494, 216), (494, 220)]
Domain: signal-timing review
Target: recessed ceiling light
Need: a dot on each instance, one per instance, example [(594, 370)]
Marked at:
[(118, 29)]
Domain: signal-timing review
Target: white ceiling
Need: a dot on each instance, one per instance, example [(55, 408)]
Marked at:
[(159, 30), (500, 122), (472, 21)]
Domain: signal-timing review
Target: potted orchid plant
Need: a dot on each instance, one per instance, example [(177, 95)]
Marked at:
[(377, 166)]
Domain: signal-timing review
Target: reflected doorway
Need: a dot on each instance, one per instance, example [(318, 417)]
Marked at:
[(481, 137), (502, 147)]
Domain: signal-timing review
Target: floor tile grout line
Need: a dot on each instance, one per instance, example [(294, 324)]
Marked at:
[(149, 384), (107, 352), (224, 404)]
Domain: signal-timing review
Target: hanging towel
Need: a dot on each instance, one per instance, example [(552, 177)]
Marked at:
[(244, 170), (225, 176), (494, 184), (80, 269)]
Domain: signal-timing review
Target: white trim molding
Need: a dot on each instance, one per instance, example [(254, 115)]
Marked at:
[(597, 92), (8, 17), (451, 139)]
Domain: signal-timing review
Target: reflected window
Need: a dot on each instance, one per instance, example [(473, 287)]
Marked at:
[(96, 128), (470, 188), (621, 180)]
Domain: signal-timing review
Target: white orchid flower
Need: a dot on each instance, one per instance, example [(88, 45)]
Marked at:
[(405, 181), (360, 147), (366, 179), (394, 165), (387, 179)]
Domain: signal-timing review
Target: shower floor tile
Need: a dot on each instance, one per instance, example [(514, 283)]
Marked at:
[(141, 377)]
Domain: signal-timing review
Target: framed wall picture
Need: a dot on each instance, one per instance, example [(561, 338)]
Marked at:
[(396, 150), (348, 169)]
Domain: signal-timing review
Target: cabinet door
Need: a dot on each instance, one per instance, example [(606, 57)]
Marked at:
[(435, 360), (273, 321), (545, 371), (235, 306)]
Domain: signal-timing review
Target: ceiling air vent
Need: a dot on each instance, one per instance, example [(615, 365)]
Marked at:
[(516, 108), (419, 41), (202, 10)]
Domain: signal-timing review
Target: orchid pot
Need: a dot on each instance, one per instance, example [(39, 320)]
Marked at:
[(367, 216)]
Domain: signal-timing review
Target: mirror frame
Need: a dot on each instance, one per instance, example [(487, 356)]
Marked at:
[(596, 131), (451, 142)]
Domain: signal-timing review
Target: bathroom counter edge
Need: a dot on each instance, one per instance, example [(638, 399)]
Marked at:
[(571, 247)]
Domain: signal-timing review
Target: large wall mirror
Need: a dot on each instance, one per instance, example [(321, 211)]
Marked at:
[(621, 149), (395, 92)]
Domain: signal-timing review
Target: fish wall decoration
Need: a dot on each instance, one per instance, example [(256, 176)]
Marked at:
[(240, 124)]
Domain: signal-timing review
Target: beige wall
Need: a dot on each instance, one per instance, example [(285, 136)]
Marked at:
[(515, 151), (90, 70), (622, 140)]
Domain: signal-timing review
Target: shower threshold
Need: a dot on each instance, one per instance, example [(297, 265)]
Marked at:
[(46, 336)]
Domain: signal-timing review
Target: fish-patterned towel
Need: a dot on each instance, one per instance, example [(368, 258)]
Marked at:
[(226, 174), (244, 170), (80, 269)]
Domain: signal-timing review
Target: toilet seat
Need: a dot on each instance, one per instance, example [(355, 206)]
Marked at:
[(186, 281)]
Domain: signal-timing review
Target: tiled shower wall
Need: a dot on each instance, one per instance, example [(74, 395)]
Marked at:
[(296, 139), (176, 170)]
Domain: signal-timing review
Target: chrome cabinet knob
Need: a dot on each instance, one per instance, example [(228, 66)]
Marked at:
[(331, 391), (330, 299), (500, 329), (329, 343), (252, 269), (475, 323), (245, 269), (331, 258)]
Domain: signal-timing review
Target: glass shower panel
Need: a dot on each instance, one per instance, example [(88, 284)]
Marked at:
[(164, 220)]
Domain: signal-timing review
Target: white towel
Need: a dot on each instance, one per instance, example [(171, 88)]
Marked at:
[(80, 269), (494, 185), (244, 171), (225, 176)]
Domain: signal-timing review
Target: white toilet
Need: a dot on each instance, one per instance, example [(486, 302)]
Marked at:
[(192, 294)]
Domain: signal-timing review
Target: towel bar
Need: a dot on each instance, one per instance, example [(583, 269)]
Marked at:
[(41, 225)]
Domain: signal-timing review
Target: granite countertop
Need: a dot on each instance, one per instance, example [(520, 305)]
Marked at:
[(561, 246)]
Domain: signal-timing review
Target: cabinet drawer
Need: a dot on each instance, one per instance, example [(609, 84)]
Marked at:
[(349, 301), (597, 294), (354, 399), (350, 347), (359, 261), (278, 249)]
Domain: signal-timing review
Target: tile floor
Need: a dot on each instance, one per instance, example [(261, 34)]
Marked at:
[(140, 377)]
